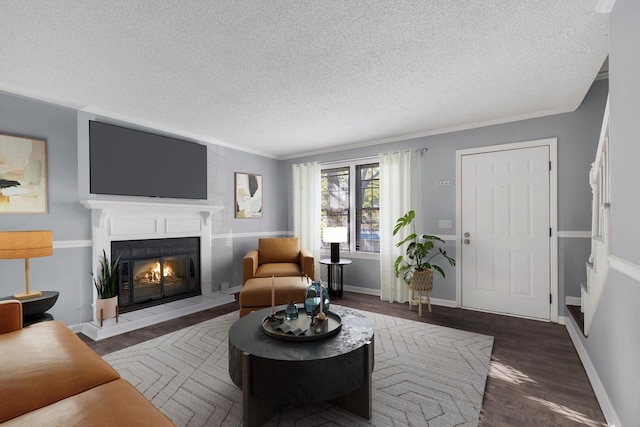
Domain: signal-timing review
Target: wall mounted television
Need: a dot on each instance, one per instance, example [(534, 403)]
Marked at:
[(130, 162)]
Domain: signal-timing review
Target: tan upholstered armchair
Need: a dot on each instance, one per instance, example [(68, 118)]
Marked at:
[(279, 257)]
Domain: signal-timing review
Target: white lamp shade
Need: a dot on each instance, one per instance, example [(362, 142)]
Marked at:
[(335, 234)]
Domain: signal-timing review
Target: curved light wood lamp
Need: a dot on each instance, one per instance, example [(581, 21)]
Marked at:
[(26, 245)]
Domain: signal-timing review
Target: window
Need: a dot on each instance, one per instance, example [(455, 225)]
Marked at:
[(350, 198), (368, 208)]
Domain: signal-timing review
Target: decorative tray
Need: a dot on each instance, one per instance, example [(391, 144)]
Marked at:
[(300, 329)]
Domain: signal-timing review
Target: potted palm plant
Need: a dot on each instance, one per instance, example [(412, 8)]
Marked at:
[(107, 286), (416, 265)]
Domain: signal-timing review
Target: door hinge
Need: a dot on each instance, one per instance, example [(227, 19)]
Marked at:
[(549, 164), (550, 232), (550, 299)]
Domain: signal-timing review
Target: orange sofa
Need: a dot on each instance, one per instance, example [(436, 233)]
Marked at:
[(48, 376)]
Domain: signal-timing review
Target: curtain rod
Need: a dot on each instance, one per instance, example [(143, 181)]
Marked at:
[(366, 158)]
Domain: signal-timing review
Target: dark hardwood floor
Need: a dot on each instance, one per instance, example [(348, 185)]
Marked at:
[(536, 377)]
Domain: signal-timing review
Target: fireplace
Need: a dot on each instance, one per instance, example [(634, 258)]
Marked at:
[(156, 271)]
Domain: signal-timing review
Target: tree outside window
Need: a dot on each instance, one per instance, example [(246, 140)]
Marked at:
[(368, 208), (350, 198)]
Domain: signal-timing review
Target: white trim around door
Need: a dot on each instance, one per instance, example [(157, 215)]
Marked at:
[(553, 212)]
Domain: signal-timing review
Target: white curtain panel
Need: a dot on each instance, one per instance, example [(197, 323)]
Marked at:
[(398, 190), (306, 208)]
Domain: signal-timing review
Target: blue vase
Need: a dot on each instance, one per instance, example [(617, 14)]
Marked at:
[(291, 311), (312, 298)]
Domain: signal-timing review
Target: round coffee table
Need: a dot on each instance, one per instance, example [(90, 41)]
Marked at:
[(274, 373)]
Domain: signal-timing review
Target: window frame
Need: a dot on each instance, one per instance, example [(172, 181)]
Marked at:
[(352, 165)]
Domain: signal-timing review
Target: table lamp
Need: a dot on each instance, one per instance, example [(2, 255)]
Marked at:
[(335, 236), (26, 245)]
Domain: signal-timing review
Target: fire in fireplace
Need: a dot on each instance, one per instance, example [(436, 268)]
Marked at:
[(156, 271)]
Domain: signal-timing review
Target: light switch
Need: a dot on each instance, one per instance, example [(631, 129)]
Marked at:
[(445, 223)]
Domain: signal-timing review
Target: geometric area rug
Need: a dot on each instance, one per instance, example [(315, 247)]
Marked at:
[(424, 375)]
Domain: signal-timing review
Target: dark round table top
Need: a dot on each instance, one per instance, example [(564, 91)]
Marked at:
[(247, 335)]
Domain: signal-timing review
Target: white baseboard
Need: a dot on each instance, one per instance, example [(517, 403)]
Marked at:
[(601, 394), (443, 302), (361, 290), (232, 291), (376, 292), (573, 301)]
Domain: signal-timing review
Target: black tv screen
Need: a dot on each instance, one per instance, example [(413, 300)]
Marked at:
[(134, 163)]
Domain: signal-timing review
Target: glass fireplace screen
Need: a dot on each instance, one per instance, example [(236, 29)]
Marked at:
[(152, 271)]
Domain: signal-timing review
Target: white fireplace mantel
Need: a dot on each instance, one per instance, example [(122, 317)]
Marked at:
[(104, 208), (128, 220)]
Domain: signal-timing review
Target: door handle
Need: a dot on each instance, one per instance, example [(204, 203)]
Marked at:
[(467, 241)]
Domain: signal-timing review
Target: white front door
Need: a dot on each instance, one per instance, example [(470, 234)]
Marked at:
[(505, 230)]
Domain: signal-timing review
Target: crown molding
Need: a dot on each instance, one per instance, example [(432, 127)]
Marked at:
[(605, 6)]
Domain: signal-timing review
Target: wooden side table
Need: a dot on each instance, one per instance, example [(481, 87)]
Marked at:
[(335, 276)]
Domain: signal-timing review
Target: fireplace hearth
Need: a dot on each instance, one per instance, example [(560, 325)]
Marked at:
[(155, 271)]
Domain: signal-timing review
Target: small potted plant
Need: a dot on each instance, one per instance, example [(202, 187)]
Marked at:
[(416, 264), (107, 286)]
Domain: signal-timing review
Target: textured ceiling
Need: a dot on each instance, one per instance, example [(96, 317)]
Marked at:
[(282, 78)]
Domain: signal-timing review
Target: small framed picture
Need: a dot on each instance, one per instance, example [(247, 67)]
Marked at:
[(23, 175), (248, 195)]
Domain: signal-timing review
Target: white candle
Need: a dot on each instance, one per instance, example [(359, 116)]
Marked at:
[(273, 295)]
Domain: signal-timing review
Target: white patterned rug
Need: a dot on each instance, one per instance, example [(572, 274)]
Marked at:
[(424, 375)]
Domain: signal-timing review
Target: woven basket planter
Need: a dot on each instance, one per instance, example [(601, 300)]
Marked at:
[(421, 283)]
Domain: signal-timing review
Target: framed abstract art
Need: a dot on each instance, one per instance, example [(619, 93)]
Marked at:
[(248, 191), (23, 175)]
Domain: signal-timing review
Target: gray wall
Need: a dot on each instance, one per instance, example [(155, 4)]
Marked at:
[(577, 133), (613, 346), (233, 238), (67, 271)]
